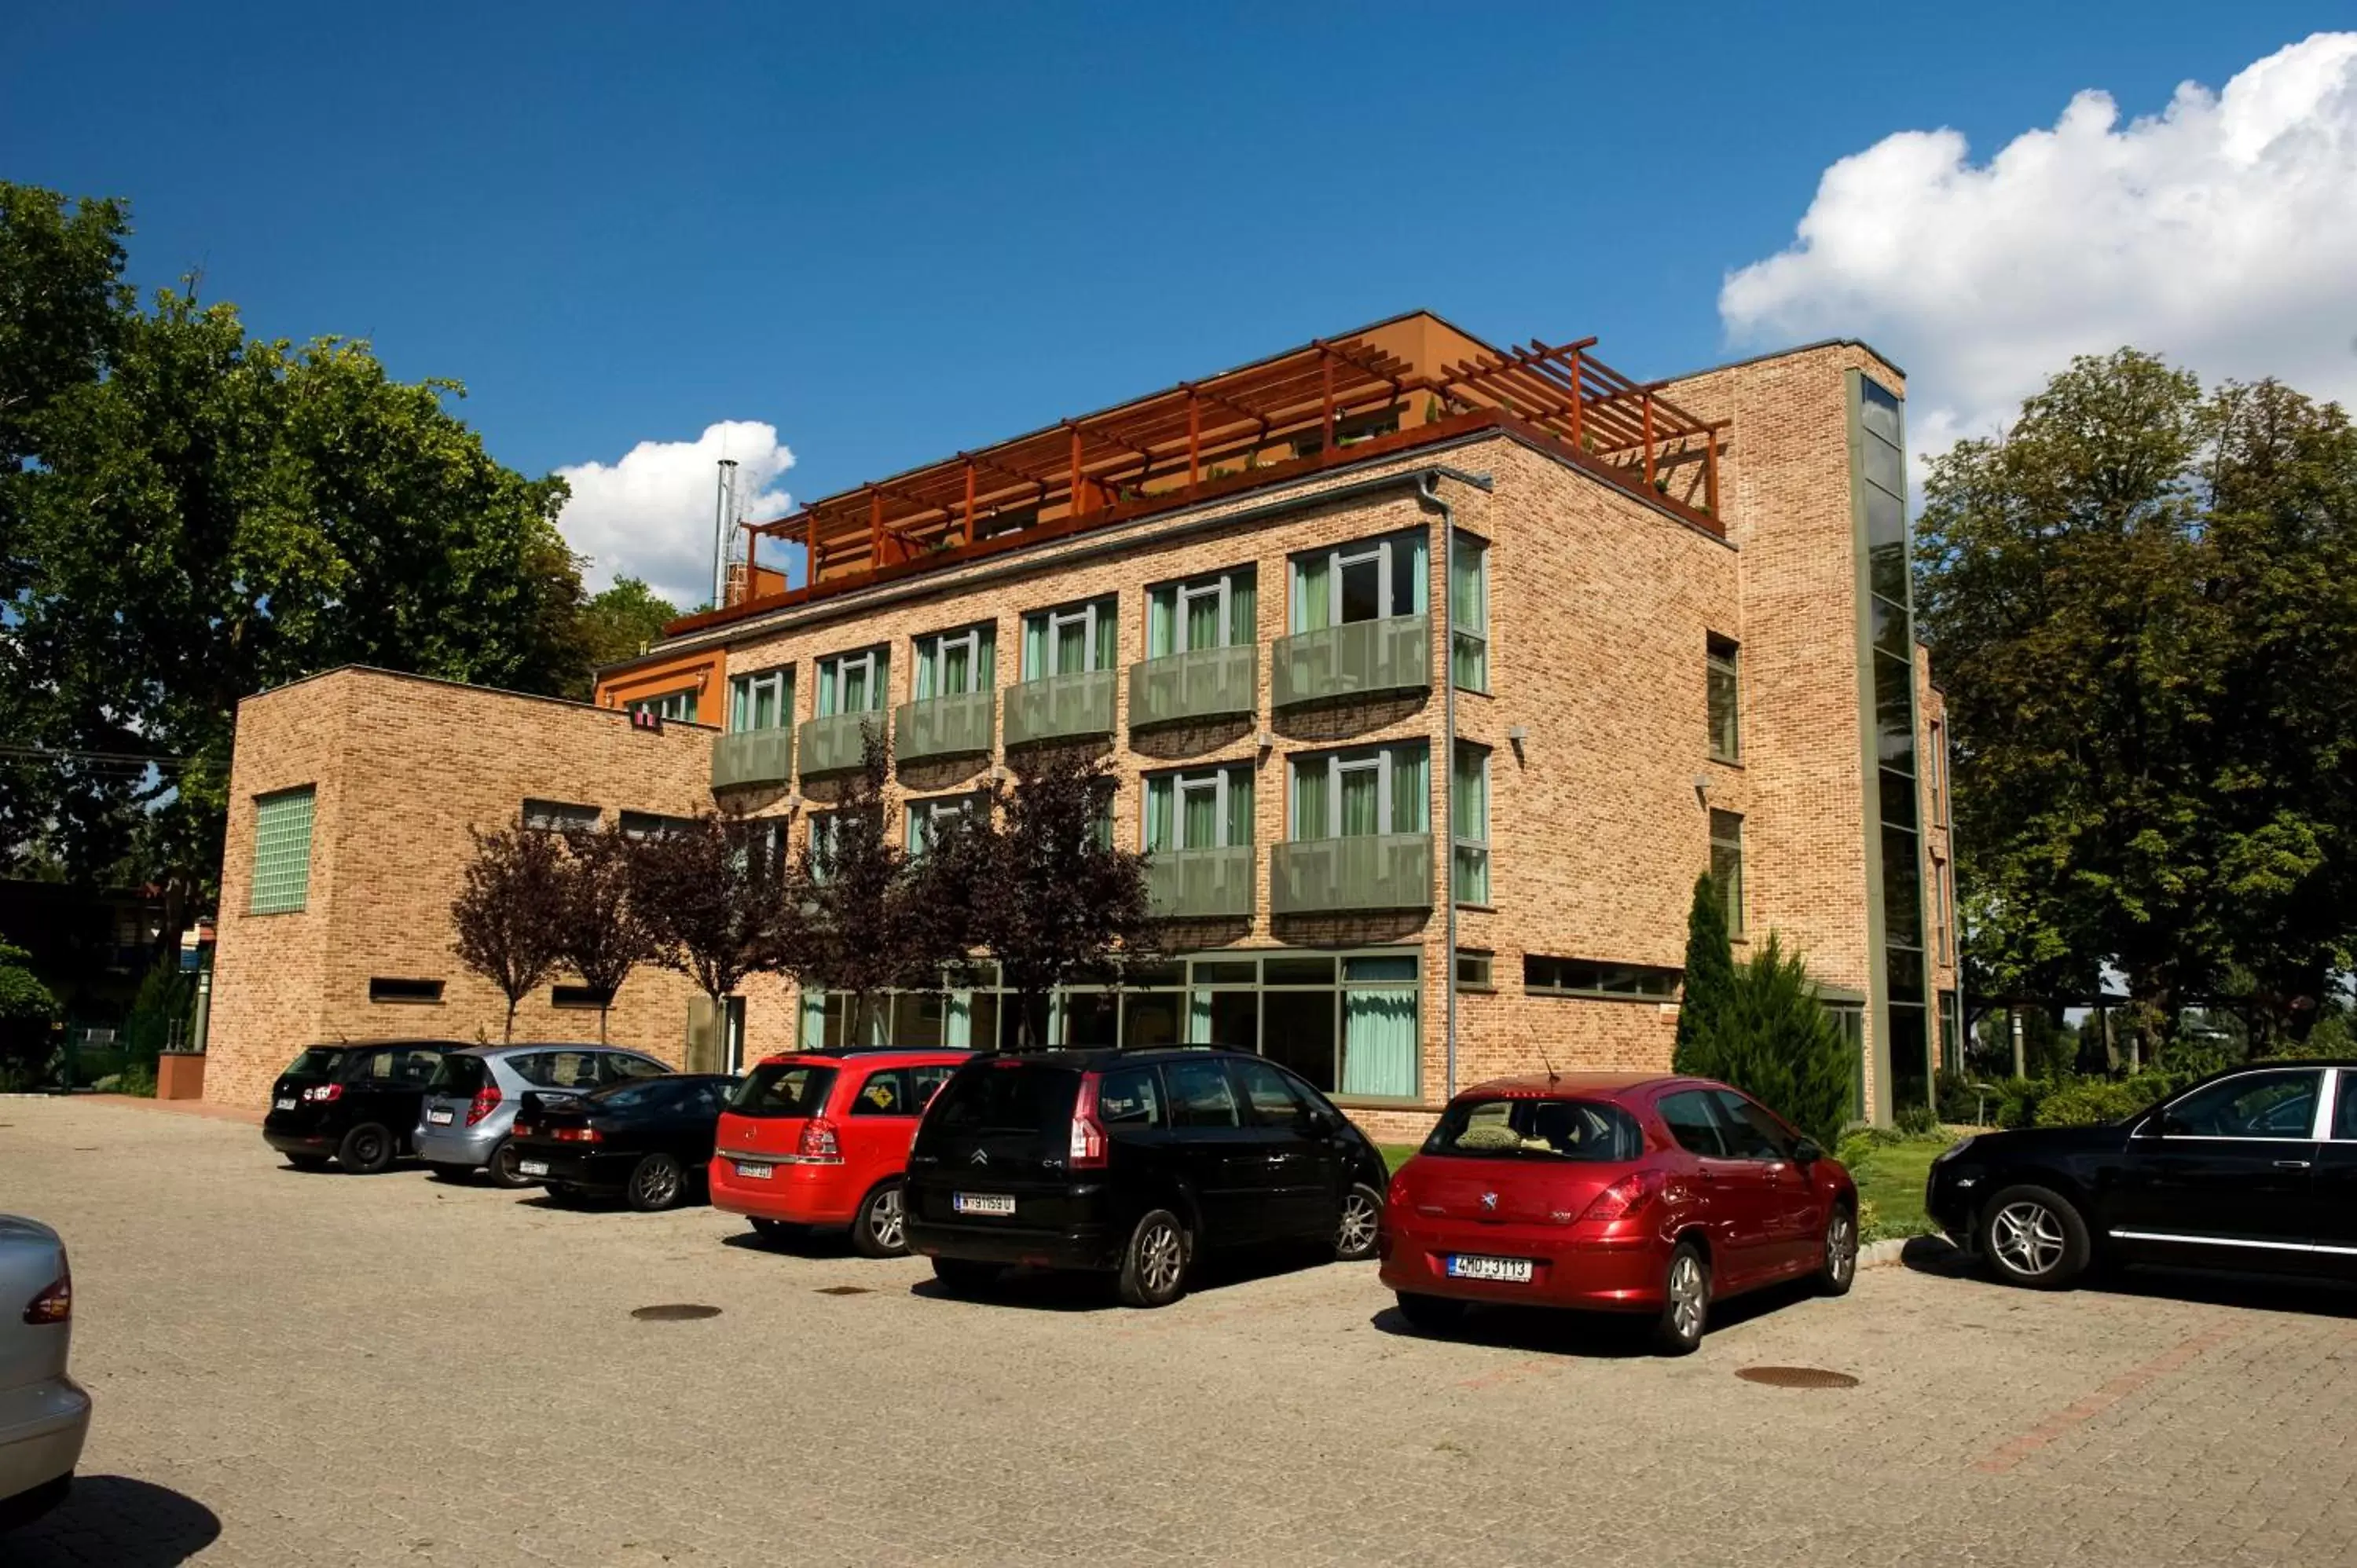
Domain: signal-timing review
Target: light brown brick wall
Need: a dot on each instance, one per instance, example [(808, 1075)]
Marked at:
[(402, 767), (1600, 607)]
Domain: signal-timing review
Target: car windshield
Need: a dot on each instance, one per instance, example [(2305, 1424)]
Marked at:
[(1004, 1096), (456, 1074), (783, 1088), (317, 1061), (1497, 1127)]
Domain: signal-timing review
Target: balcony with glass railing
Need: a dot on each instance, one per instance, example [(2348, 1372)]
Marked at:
[(955, 725), (1201, 883), (750, 758), (1204, 683), (835, 744), (1358, 658), (1060, 707), (1371, 871)]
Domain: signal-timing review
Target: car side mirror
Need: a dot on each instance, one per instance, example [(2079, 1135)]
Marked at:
[(1319, 1120), (1807, 1152)]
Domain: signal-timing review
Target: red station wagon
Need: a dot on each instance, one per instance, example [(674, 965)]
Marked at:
[(821, 1138), (1617, 1193)]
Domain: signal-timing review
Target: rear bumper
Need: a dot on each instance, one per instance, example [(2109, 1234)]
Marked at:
[(1589, 1274), (42, 1426), (320, 1144), (795, 1194), (467, 1147), (1093, 1248), (578, 1167)]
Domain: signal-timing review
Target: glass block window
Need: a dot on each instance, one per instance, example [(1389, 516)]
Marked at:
[(282, 853)]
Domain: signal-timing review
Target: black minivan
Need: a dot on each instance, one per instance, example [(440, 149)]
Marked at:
[(356, 1102), (1132, 1163)]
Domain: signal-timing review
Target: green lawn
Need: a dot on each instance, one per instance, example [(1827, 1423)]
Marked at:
[(1891, 1178), (1395, 1154)]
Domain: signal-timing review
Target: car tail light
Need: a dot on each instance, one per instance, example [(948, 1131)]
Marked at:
[(1088, 1150), (522, 1129), (486, 1101), (579, 1136), (1624, 1197), (819, 1145), (54, 1305), (322, 1093)]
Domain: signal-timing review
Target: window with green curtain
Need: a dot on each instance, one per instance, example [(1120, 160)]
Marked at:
[(1468, 806), (762, 701), (1161, 614), (1071, 639), (1379, 1029), (1240, 806), (1108, 650), (1310, 788), (1411, 790), (1035, 646), (1311, 609), (282, 852), (829, 687), (925, 680), (1411, 574), (1244, 610), (1204, 627), (1469, 614), (1161, 817), (1360, 798)]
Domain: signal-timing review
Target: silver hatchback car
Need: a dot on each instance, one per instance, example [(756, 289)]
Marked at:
[(470, 1109), (43, 1413)]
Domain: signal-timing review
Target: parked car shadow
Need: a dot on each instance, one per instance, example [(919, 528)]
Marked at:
[(827, 1242), (1603, 1335), (116, 1520), (1046, 1290), (2210, 1287)]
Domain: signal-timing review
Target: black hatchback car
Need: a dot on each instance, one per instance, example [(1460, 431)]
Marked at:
[(2251, 1169), (356, 1103), (1132, 1163), (649, 1138)]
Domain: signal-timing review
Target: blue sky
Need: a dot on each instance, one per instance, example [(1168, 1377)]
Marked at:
[(891, 231)]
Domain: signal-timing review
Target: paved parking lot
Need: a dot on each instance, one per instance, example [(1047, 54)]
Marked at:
[(297, 1369)]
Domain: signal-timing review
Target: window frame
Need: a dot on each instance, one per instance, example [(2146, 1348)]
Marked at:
[(939, 643), (675, 706), (1723, 657), (1382, 759), (1089, 614), (1220, 779), (745, 691), (1384, 549), (1732, 902), (1458, 842), (1457, 629), (875, 661)]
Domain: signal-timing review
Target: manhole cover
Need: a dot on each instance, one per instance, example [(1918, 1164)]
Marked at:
[(674, 1312), (1797, 1378), (843, 1290)]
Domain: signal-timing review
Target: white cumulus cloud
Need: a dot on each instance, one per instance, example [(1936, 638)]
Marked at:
[(649, 513), (2221, 233)]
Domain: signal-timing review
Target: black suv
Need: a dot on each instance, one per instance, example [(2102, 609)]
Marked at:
[(1133, 1161), (2253, 1169), (356, 1102)]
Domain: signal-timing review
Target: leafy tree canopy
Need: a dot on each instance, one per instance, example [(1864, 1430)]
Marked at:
[(2142, 602), (618, 623), (190, 516)]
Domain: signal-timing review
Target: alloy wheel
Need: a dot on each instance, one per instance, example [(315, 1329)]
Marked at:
[(2027, 1237), (658, 1184), (887, 1220), (1357, 1232), (1841, 1247), (1160, 1257), (1686, 1296)]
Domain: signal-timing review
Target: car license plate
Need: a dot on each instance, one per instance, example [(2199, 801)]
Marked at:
[(286, 1104), (753, 1173), (983, 1202), (533, 1167), (1505, 1271), (438, 1118)]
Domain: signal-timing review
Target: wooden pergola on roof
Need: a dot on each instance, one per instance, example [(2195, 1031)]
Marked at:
[(1293, 413)]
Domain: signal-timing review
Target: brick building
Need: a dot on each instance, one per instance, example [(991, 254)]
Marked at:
[(1414, 659)]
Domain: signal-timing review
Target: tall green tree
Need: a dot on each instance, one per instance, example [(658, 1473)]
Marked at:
[(1709, 982), (618, 624), (1777, 1042), (2142, 600), (192, 516)]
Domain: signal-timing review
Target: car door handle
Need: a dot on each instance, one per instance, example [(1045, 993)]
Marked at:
[(2291, 1165)]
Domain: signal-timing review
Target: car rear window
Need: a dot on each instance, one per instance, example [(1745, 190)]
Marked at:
[(458, 1075), (1007, 1097), (783, 1088), (316, 1061), (1506, 1129)]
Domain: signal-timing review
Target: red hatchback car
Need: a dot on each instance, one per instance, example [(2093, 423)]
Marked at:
[(821, 1138), (1617, 1193)]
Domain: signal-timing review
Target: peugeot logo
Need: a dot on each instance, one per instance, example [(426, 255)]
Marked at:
[(980, 1157), (1489, 1200)]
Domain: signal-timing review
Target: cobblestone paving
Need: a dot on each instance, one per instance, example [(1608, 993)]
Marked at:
[(296, 1368)]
